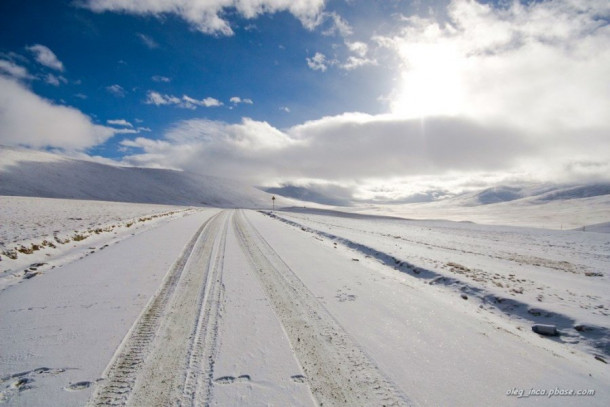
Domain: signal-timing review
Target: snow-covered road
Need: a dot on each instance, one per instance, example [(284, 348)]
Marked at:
[(237, 308), (60, 329)]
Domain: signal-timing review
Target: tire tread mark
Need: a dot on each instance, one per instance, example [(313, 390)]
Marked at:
[(123, 370), (338, 372), (198, 384)]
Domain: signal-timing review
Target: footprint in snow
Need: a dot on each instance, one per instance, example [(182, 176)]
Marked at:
[(46, 370), (23, 383), (78, 386), (298, 378), (343, 296), (27, 374), (15, 383), (232, 379)]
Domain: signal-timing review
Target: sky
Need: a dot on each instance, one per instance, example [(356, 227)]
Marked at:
[(374, 101)]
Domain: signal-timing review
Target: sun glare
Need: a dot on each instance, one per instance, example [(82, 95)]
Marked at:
[(430, 83)]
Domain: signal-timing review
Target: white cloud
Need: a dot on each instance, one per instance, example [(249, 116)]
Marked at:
[(337, 24), (148, 41), (116, 90), (285, 109), (119, 122), (55, 80), (15, 57), (360, 49), (237, 100), (157, 99), (366, 151), (158, 78), (127, 127), (543, 65), (353, 62), (222, 143), (46, 57), (189, 102), (186, 102), (27, 119), (356, 145), (145, 143), (339, 148), (319, 62), (207, 16), (357, 47), (12, 69), (126, 131)]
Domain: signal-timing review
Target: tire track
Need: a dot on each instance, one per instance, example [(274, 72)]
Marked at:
[(338, 372), (202, 354), (159, 357)]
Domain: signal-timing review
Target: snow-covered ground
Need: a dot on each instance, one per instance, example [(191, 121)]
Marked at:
[(530, 275), (440, 348), (60, 329), (212, 307), (39, 234)]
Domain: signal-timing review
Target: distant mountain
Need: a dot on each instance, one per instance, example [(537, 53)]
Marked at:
[(529, 194), (39, 174), (575, 192), (549, 206), (537, 194), (499, 194)]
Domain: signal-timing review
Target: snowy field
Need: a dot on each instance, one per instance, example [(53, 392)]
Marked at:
[(165, 305), (530, 275), (37, 234)]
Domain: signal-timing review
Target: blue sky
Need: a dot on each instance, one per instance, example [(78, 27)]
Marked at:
[(375, 100), (264, 61)]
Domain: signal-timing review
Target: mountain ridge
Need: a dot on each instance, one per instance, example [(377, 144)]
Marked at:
[(46, 175)]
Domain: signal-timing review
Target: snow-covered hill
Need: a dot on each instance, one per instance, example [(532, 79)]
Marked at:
[(545, 206), (39, 174), (537, 194)]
